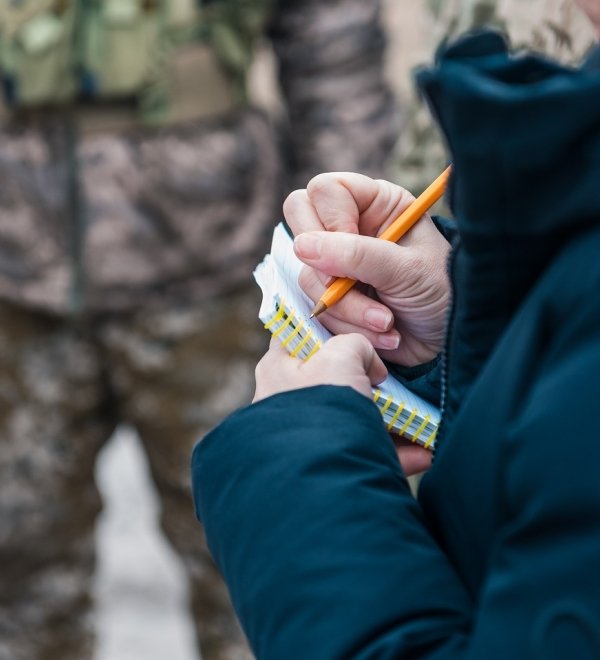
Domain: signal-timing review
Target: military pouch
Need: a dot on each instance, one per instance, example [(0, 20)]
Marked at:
[(233, 27), (37, 55), (182, 16), (120, 48)]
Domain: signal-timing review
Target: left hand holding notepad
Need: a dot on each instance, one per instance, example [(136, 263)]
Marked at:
[(335, 221), (345, 360)]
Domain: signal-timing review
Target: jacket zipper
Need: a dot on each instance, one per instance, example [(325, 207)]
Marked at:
[(444, 361)]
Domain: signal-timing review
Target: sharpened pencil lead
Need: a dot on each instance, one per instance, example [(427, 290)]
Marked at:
[(319, 308)]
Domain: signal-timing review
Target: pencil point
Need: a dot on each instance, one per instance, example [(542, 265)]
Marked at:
[(319, 308)]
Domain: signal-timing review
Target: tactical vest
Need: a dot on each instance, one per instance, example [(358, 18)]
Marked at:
[(174, 58)]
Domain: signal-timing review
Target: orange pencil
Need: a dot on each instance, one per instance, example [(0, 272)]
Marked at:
[(340, 287)]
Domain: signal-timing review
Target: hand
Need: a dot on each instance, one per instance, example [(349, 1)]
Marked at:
[(345, 360), (592, 10), (404, 317), (413, 458)]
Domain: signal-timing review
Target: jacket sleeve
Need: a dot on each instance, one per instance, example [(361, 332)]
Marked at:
[(342, 114), (327, 556), (314, 528)]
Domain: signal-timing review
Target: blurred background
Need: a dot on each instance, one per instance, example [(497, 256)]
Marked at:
[(140, 586)]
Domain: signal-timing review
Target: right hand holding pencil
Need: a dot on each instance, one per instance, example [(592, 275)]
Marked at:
[(403, 311)]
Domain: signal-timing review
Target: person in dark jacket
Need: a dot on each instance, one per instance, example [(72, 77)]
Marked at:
[(306, 507)]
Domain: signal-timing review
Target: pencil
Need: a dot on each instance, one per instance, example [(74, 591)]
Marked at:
[(341, 285)]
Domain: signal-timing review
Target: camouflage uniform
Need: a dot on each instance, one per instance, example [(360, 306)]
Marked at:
[(554, 27), (125, 280)]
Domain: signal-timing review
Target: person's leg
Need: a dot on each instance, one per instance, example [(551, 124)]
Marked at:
[(179, 373), (53, 420)]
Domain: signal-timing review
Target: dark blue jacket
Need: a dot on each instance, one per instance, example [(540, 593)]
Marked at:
[(307, 512)]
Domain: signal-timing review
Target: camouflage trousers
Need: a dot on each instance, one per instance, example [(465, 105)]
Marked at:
[(63, 389)]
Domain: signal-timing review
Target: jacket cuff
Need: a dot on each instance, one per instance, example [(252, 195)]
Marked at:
[(446, 227), (423, 379)]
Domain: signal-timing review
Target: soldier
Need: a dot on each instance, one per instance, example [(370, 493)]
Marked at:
[(553, 27), (138, 188)]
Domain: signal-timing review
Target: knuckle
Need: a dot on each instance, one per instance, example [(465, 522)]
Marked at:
[(394, 196), (337, 221), (361, 342), (320, 183), (294, 201), (338, 345), (331, 198), (406, 197), (350, 341), (352, 251)]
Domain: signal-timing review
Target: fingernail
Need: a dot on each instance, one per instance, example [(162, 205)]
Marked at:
[(378, 319), (307, 246), (389, 341)]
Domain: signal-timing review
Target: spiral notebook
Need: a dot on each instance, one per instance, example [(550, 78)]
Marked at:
[(285, 312)]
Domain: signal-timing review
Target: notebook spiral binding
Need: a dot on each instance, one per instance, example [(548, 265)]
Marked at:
[(398, 418)]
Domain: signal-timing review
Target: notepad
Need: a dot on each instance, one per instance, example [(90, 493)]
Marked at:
[(285, 312)]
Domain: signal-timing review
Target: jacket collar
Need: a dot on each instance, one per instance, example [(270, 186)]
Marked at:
[(524, 137), (592, 61)]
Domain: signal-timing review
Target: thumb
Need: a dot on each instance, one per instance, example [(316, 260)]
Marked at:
[(362, 348), (370, 260)]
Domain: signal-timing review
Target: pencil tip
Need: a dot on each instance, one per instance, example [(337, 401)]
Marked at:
[(319, 308)]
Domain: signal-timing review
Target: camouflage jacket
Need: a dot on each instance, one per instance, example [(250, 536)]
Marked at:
[(556, 28), (112, 220)]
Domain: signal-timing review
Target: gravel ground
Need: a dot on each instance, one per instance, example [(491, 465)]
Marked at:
[(140, 586)]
